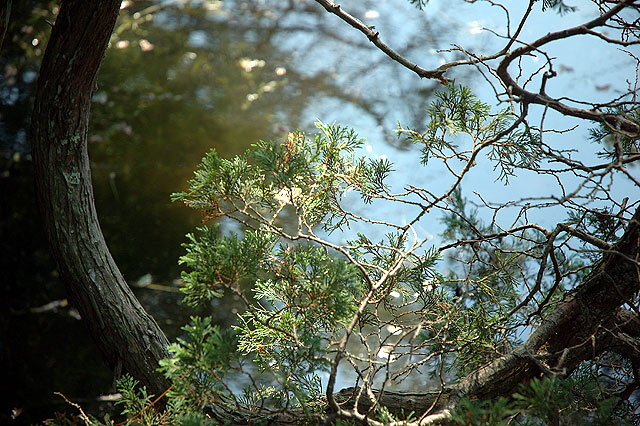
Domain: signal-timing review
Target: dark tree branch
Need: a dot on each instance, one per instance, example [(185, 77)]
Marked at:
[(587, 324), (624, 336), (374, 37), (617, 122), (572, 324)]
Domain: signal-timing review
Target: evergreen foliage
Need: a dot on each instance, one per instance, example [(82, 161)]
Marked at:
[(390, 308), (311, 302)]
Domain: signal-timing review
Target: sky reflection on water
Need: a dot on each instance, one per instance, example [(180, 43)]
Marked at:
[(186, 80)]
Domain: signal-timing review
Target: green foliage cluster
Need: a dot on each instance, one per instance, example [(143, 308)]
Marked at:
[(310, 302), (198, 363), (385, 307), (309, 296), (310, 175), (302, 293), (616, 146), (456, 111), (214, 260), (544, 401), (559, 6)]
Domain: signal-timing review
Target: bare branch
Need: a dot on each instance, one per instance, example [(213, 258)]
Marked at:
[(617, 122), (374, 37)]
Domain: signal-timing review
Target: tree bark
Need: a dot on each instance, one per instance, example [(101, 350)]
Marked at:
[(5, 13), (128, 337)]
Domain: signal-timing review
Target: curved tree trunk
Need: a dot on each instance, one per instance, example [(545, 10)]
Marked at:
[(127, 336)]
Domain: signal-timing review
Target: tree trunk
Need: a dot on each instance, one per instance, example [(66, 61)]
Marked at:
[(127, 336), (5, 13)]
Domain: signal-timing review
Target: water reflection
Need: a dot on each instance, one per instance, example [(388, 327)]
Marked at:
[(178, 79), (181, 80)]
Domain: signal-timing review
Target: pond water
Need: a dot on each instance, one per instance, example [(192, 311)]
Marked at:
[(179, 79)]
